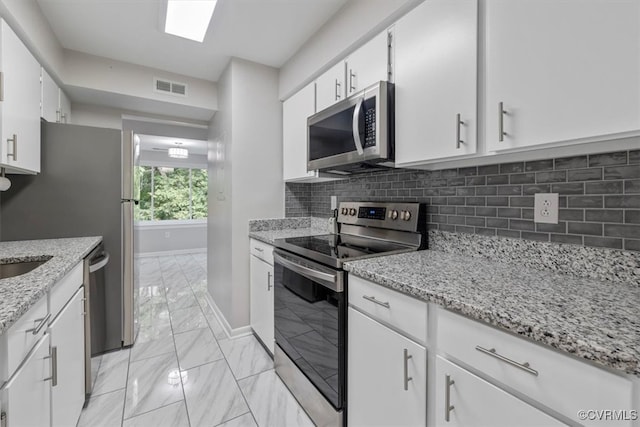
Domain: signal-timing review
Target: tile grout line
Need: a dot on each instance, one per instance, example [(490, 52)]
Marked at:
[(175, 350)]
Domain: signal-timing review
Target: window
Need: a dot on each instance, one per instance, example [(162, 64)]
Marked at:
[(171, 193)]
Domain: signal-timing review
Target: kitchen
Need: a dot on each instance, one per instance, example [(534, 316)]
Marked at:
[(517, 166)]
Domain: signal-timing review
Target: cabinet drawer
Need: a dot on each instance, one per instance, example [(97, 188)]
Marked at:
[(403, 312), (463, 399), (24, 334), (62, 291), (261, 250), (562, 383)]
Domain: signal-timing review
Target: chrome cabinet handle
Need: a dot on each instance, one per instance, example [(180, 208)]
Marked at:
[(374, 300), (338, 90), (1, 86), (448, 407), (352, 75), (407, 378), (54, 367), (501, 114), (15, 147), (259, 249), (356, 127), (269, 285), (458, 124), (43, 322), (58, 114), (63, 118), (492, 352)]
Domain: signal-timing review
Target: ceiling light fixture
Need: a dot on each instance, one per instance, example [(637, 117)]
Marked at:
[(189, 18), (178, 153)]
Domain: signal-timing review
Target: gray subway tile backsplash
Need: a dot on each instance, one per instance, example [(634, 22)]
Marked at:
[(599, 198)]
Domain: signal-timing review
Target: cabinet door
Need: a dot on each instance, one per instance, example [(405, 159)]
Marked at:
[(295, 112), (261, 301), (377, 369), (21, 104), (28, 394), (49, 99), (67, 337), (330, 87), (436, 81), (563, 70), (65, 107), (369, 64), (473, 401)]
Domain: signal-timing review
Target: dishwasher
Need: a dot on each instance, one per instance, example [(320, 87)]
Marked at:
[(94, 319)]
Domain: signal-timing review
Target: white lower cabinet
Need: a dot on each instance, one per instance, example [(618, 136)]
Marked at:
[(463, 399), (261, 296), (386, 376), (27, 395), (67, 343)]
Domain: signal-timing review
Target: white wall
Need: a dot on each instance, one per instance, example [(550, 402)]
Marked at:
[(92, 115), (355, 23), (155, 238), (248, 184)]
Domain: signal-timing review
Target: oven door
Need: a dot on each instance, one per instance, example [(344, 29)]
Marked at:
[(310, 322), (354, 130)]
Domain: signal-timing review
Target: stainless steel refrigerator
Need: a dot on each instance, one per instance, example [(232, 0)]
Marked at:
[(86, 188)]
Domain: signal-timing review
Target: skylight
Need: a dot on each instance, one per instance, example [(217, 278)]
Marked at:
[(189, 18)]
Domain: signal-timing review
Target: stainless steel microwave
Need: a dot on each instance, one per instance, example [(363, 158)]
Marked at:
[(353, 135)]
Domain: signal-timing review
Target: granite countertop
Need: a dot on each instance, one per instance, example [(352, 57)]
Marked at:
[(18, 294), (268, 230), (591, 319)]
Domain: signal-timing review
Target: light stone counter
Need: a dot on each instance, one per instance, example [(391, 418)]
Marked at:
[(18, 294)]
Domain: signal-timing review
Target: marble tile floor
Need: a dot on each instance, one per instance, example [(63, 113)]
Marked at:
[(183, 370)]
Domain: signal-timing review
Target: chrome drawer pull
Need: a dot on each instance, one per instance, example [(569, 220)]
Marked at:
[(43, 321), (458, 123), (448, 407), (374, 300), (407, 378), (269, 286), (492, 352), (54, 367), (501, 114), (259, 249)]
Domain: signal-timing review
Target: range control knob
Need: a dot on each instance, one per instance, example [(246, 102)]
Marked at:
[(406, 215), (352, 212), (344, 211), (393, 214)]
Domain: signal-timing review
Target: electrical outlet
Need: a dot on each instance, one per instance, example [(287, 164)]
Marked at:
[(167, 234), (545, 208)]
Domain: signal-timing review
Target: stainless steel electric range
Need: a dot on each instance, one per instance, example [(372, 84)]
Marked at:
[(311, 300)]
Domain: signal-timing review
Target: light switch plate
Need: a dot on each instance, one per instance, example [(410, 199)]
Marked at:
[(545, 208)]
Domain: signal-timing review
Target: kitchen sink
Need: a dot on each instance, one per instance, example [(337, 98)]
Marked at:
[(18, 268)]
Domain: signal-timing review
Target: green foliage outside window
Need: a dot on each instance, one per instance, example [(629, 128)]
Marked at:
[(171, 193)]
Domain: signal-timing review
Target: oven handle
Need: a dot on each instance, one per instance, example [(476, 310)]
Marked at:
[(326, 279)]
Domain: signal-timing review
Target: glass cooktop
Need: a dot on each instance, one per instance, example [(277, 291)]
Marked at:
[(333, 249)]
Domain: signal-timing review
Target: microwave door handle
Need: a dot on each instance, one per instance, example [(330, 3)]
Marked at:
[(356, 126)]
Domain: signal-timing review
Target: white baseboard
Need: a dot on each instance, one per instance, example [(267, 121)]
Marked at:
[(169, 253), (228, 330)]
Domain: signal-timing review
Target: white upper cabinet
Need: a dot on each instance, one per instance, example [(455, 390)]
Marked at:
[(295, 111), (65, 107), (330, 86), (369, 64), (54, 105), (559, 71), (49, 104), (20, 144), (436, 81)]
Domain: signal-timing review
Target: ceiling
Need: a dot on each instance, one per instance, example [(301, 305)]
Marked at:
[(264, 31), (162, 143)]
